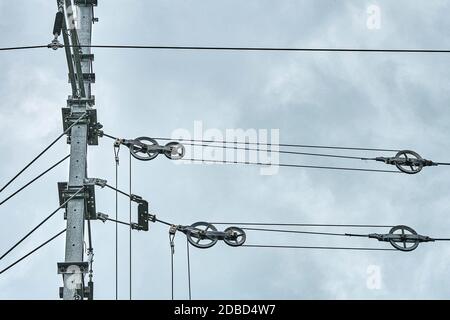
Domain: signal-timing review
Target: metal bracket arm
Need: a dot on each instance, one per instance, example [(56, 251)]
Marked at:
[(95, 181), (73, 267), (77, 271), (70, 117), (88, 194)]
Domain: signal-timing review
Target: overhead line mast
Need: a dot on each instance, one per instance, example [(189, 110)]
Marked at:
[(76, 27)]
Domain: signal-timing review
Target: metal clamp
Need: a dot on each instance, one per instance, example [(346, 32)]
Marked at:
[(73, 267), (88, 194), (135, 198), (69, 118), (86, 2), (103, 217), (55, 44)]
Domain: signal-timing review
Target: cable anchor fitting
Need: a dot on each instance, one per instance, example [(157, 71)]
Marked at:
[(117, 144), (103, 217), (172, 231)]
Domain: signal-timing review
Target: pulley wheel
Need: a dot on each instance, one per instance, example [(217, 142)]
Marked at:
[(176, 151), (140, 150), (408, 155), (402, 243), (198, 237), (235, 236)]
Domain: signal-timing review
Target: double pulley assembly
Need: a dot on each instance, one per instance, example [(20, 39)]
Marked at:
[(145, 148), (204, 235)]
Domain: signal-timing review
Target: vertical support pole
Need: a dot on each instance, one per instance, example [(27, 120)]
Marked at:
[(74, 278)]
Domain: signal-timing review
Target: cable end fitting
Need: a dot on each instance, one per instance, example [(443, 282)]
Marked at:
[(135, 226), (55, 44), (102, 216), (136, 198), (95, 181)]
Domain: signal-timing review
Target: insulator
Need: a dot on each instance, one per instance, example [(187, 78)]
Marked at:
[(58, 23)]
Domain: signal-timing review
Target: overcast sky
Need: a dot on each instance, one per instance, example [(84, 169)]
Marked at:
[(376, 100)]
